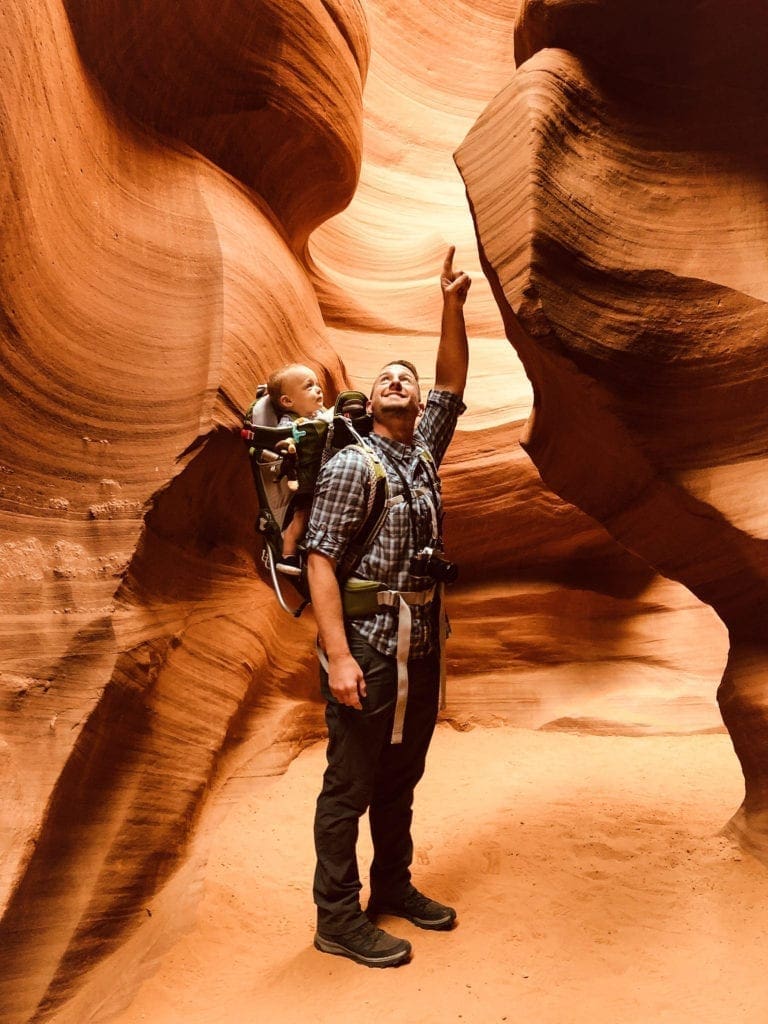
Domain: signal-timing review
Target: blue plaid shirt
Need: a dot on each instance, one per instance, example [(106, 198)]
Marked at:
[(339, 509)]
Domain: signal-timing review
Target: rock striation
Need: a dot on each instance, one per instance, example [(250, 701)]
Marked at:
[(138, 282), (170, 186), (618, 190)]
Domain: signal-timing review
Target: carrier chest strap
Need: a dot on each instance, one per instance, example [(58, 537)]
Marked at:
[(430, 493), (419, 492), (377, 507)]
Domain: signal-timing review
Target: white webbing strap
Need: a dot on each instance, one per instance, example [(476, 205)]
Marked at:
[(404, 600), (404, 620), (322, 657)]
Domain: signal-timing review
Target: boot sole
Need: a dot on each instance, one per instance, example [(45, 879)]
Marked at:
[(443, 924), (388, 960)]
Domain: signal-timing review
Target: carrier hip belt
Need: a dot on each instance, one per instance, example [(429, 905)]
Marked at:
[(363, 597)]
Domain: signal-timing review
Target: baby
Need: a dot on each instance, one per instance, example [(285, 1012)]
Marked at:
[(296, 394)]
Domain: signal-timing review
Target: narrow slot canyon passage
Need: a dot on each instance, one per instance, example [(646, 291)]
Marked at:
[(591, 877)]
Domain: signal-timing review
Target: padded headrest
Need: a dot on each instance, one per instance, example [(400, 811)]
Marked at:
[(262, 412)]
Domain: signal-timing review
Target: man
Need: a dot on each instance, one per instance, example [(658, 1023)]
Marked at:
[(382, 683)]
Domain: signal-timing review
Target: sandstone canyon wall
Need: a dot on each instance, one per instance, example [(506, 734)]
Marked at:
[(618, 187), (139, 282), (171, 186)]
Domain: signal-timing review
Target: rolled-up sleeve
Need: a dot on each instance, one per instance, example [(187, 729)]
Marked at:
[(438, 422), (340, 504)]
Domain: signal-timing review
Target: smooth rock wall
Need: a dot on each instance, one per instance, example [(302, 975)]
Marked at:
[(144, 293), (163, 168), (619, 194)]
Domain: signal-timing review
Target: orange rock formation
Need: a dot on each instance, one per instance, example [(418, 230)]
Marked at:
[(138, 284), (618, 193), (164, 165)]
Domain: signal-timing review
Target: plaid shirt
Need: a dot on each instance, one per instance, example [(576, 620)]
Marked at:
[(338, 511)]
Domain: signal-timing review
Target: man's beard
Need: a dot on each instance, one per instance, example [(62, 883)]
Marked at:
[(398, 411)]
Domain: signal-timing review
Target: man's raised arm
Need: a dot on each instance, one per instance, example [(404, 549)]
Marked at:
[(452, 353)]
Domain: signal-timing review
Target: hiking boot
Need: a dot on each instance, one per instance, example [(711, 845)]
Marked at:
[(367, 945), (414, 906)]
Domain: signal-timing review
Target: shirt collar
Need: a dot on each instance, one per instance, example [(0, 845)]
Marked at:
[(395, 449)]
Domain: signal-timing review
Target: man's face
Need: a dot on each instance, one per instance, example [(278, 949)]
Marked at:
[(395, 393)]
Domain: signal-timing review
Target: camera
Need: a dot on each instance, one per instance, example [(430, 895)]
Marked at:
[(430, 562)]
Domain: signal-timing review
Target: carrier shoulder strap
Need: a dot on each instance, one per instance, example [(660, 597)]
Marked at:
[(377, 505)]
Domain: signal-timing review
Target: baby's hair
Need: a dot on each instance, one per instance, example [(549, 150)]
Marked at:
[(275, 383)]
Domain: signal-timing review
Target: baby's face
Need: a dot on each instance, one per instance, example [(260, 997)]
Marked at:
[(302, 393)]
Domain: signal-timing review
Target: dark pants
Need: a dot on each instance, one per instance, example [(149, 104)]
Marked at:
[(366, 771)]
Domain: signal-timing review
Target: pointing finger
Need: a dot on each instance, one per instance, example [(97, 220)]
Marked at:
[(448, 263), (460, 281)]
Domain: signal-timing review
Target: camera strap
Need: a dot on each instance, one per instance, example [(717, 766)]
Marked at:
[(430, 495), (404, 601)]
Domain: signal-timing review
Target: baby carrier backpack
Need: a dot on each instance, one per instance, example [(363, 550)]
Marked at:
[(274, 466)]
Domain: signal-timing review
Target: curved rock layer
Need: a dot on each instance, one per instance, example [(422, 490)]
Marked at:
[(622, 222), (163, 166), (269, 91), (433, 69), (138, 283)]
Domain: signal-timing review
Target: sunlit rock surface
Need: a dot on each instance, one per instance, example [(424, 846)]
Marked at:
[(144, 293), (269, 90), (618, 187), (163, 167)]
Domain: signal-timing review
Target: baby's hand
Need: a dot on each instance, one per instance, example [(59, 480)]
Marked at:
[(287, 449)]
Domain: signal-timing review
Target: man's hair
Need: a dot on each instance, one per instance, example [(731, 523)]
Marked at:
[(275, 383), (401, 362)]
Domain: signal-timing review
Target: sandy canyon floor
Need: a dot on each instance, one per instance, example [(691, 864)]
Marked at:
[(591, 877)]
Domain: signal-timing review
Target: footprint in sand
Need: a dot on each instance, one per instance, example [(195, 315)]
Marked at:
[(603, 851), (492, 857)]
